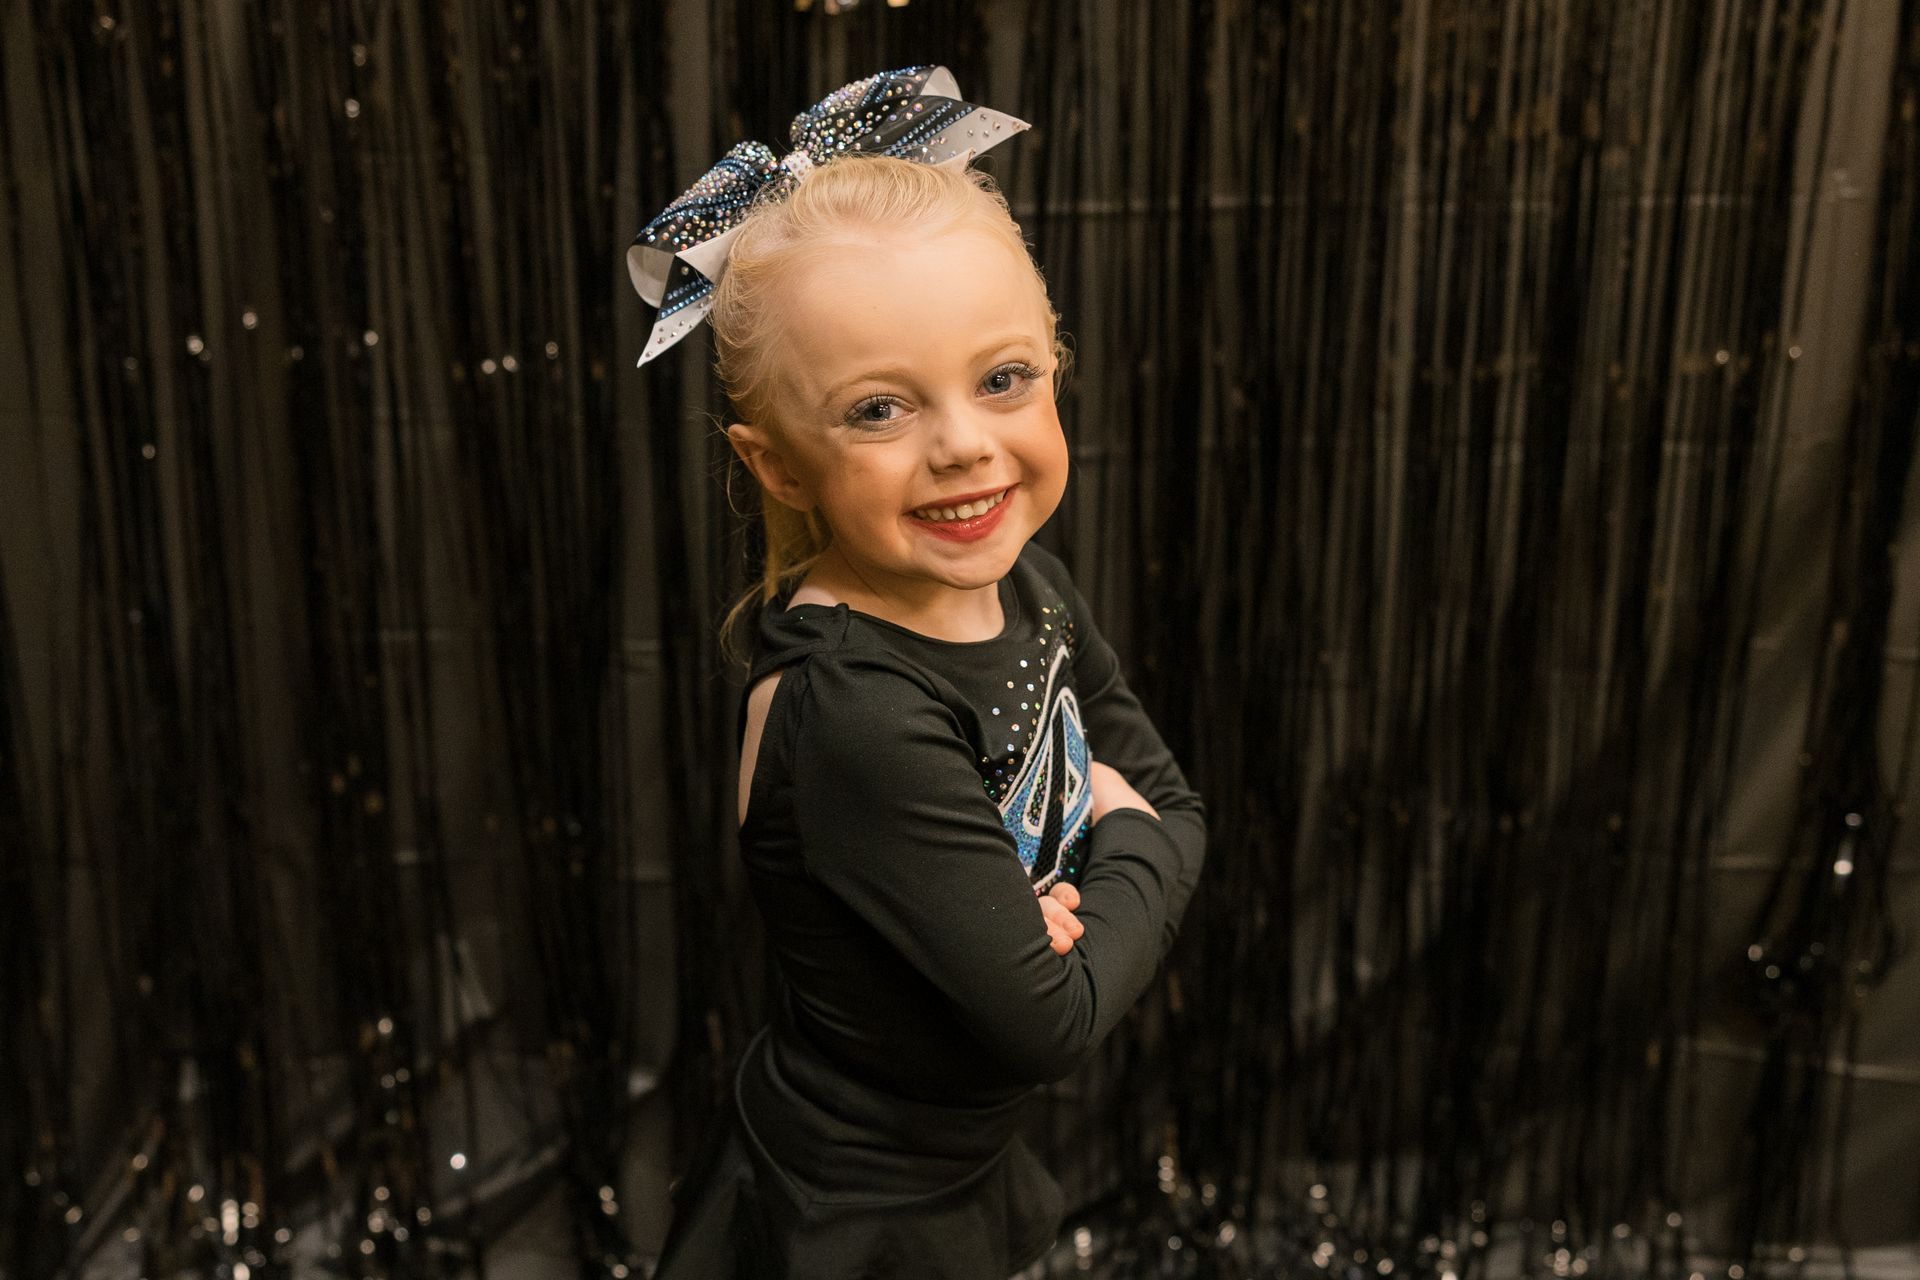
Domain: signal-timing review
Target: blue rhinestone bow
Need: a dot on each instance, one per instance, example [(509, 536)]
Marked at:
[(914, 113)]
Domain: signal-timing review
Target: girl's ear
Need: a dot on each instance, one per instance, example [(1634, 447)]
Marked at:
[(763, 456)]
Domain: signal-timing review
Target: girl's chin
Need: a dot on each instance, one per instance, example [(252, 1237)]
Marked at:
[(964, 566), (968, 567)]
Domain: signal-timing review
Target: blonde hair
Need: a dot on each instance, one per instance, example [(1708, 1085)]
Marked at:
[(850, 194)]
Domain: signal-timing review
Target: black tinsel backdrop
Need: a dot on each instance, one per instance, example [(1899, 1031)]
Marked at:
[(1493, 442)]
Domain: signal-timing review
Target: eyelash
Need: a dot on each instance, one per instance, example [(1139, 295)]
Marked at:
[(1020, 367)]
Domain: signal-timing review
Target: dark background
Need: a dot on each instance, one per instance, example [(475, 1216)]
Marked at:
[(1493, 445)]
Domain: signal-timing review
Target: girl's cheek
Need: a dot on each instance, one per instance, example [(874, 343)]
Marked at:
[(862, 488)]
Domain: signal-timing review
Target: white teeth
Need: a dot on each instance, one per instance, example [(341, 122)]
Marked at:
[(966, 511)]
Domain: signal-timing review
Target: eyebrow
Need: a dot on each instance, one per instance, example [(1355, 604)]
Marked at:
[(896, 371)]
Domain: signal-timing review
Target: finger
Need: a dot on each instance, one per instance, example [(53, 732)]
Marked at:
[(1058, 916), (1068, 895), (1062, 928)]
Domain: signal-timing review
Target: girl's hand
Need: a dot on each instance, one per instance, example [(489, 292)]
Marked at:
[(1111, 791), (1058, 905)]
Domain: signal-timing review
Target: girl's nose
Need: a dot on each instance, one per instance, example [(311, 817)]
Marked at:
[(960, 438)]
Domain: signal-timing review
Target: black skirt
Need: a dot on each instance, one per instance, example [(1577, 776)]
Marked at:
[(737, 1216)]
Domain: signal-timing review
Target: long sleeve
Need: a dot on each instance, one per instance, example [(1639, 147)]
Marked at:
[(1121, 735), (896, 823)]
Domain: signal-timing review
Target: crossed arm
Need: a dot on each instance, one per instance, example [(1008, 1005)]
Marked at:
[(932, 868)]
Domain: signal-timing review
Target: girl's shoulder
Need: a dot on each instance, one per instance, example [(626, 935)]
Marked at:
[(827, 656), (860, 714), (855, 705), (812, 634)]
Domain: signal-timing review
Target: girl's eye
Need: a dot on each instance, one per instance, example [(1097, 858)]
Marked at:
[(1009, 377), (875, 411)]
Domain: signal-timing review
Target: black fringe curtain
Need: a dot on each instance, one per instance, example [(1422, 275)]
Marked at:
[(1492, 434)]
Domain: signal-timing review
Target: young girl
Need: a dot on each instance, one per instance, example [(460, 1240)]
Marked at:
[(970, 845)]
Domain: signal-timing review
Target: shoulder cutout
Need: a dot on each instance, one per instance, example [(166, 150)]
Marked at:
[(808, 593), (758, 700)]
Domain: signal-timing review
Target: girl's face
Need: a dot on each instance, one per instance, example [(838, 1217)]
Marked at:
[(916, 374)]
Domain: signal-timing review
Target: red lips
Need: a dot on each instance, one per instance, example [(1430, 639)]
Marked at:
[(968, 530)]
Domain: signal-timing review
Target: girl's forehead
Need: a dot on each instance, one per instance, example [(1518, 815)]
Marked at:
[(891, 297)]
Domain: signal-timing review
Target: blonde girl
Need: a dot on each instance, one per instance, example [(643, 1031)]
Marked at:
[(969, 844)]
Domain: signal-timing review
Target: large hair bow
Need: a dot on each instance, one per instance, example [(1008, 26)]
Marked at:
[(914, 113)]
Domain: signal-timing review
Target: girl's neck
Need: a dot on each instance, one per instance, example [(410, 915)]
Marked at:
[(933, 609)]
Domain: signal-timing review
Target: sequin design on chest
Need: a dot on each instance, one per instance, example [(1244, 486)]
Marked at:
[(1046, 801)]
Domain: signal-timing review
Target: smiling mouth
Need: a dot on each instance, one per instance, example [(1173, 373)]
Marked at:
[(965, 511)]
